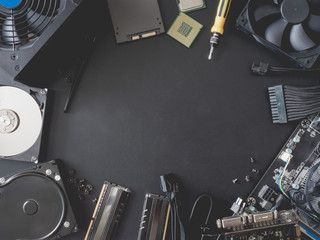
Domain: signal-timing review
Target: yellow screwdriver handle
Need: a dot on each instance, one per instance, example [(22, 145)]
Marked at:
[(222, 13)]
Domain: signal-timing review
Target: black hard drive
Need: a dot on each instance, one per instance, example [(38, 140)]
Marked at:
[(34, 205)]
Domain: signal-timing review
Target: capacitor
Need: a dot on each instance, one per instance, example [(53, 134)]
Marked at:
[(295, 186), (289, 150), (296, 139)]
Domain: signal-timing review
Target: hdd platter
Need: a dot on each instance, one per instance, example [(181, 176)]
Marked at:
[(34, 205), (21, 119)]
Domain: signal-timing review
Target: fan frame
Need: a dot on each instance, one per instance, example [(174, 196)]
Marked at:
[(304, 59), (12, 46), (14, 61)]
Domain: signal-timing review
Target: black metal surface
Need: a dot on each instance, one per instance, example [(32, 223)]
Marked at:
[(152, 107)]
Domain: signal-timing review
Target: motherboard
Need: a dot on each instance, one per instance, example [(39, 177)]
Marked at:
[(293, 178)]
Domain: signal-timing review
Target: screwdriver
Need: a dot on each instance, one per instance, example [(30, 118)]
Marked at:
[(218, 27)]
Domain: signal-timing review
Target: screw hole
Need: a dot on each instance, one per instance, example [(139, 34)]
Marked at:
[(14, 57)]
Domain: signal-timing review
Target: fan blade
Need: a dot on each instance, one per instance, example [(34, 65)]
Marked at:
[(316, 193), (36, 21), (9, 31), (265, 11), (13, 32), (299, 39), (274, 32), (314, 23), (45, 8)]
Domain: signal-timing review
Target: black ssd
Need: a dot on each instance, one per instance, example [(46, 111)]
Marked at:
[(135, 19)]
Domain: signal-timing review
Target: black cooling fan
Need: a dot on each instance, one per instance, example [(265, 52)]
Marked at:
[(289, 27), (25, 28)]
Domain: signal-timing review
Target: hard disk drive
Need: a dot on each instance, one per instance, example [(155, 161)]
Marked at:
[(22, 111), (34, 205)]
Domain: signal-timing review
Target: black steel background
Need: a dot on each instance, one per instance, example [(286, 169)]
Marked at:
[(153, 106)]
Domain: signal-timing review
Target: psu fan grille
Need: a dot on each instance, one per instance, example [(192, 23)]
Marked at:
[(26, 21)]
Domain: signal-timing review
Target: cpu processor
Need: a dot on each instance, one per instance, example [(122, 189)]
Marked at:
[(184, 29), (190, 5)]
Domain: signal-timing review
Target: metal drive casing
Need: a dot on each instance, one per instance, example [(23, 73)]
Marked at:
[(34, 204)]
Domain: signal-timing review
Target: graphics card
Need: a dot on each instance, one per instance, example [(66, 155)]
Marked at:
[(288, 27)]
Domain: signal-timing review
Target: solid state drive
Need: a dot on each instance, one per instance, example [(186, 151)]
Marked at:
[(135, 19)]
